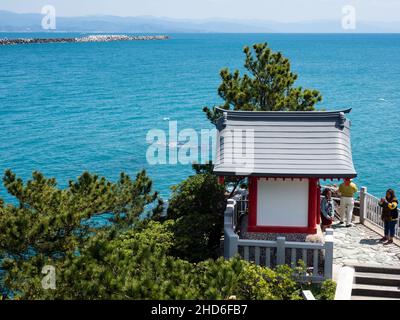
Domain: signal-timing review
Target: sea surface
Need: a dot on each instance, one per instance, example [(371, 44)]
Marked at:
[(67, 108)]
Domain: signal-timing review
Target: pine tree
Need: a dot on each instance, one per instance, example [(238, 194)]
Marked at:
[(269, 86)]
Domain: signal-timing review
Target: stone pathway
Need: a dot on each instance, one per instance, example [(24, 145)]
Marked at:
[(360, 245)]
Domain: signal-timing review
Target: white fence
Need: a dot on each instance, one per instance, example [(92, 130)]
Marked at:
[(318, 257), (371, 211)]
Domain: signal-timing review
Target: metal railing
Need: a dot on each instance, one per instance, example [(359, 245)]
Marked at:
[(317, 257)]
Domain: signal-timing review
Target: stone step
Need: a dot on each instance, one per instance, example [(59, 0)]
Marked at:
[(375, 291), (376, 269), (381, 279), (372, 298)]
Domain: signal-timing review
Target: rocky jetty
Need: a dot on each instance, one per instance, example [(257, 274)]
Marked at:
[(91, 38)]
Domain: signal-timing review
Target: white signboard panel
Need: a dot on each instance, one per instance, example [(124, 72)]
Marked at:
[(282, 203)]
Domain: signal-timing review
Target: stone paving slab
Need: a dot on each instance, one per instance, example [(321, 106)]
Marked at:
[(360, 245)]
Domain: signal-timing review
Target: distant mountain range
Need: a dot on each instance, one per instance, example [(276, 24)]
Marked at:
[(31, 22)]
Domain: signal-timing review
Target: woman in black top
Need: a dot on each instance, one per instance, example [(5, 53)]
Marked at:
[(389, 215)]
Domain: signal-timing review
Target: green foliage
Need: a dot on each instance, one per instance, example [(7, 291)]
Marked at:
[(269, 86), (129, 265), (203, 168), (258, 283), (326, 291), (48, 222), (230, 183), (222, 279), (282, 283), (131, 258), (197, 206)]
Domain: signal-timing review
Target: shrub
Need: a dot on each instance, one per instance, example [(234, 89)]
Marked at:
[(197, 206)]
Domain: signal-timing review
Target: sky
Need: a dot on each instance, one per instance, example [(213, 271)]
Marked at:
[(272, 10)]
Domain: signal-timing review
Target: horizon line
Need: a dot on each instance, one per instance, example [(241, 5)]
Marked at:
[(200, 19)]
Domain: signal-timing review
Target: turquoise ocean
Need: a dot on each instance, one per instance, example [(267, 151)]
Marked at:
[(67, 108)]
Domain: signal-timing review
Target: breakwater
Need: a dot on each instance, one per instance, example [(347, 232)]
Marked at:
[(91, 38)]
